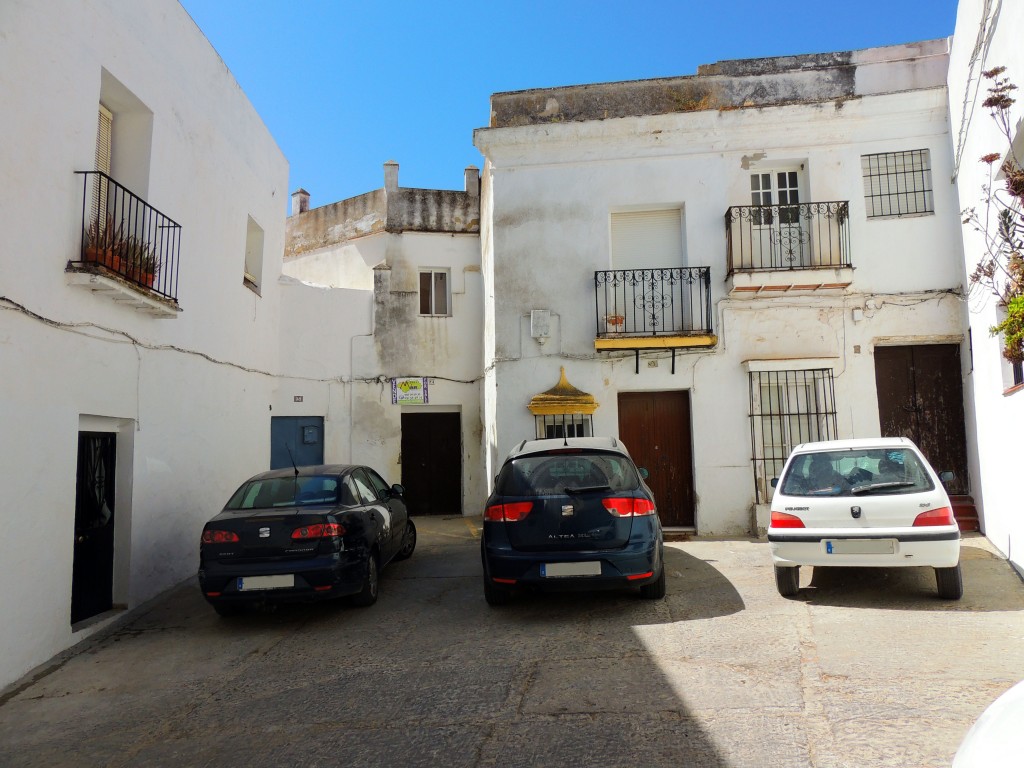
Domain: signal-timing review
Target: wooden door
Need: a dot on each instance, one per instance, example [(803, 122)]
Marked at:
[(298, 439), (655, 426), (432, 463), (920, 396)]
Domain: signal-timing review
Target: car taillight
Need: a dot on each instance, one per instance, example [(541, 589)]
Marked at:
[(509, 513), (941, 516), (319, 531), (219, 537), (628, 507), (785, 520)]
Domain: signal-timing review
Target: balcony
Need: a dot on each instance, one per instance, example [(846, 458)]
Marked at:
[(129, 248), (788, 247), (666, 308)]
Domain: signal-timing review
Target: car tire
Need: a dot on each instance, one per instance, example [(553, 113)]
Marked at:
[(495, 595), (787, 579), (950, 582), (656, 589), (408, 542), (371, 583)]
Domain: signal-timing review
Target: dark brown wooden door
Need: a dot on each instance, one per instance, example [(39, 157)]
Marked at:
[(432, 463), (655, 426), (920, 396)]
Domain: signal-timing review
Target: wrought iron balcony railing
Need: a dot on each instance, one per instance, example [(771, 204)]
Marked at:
[(774, 237), (653, 302), (125, 235)]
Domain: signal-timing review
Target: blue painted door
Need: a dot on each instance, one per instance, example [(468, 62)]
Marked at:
[(298, 437)]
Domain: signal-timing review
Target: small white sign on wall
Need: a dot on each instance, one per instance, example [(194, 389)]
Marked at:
[(409, 391)]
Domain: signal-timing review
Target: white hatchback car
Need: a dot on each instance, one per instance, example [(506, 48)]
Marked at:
[(870, 502)]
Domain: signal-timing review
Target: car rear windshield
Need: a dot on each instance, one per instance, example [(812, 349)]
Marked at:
[(559, 473), (872, 471), (285, 492)]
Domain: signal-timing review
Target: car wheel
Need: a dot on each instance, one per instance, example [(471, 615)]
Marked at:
[(408, 542), (228, 609), (950, 582), (495, 595), (656, 589), (368, 594), (787, 579)]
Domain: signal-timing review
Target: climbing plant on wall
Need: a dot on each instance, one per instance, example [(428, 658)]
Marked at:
[(1000, 221)]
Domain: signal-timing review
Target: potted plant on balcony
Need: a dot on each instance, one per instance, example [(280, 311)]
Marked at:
[(102, 243), (615, 322), (139, 260)]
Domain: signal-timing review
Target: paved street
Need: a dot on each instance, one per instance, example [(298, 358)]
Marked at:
[(865, 668)]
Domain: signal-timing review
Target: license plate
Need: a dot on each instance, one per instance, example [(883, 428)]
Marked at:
[(861, 547), (555, 570), (280, 581)]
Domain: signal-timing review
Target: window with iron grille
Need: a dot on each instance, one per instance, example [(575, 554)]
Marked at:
[(787, 408), (434, 292), (564, 425), (898, 183)]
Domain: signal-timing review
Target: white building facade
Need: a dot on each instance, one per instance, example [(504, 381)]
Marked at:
[(988, 36), (140, 309), (731, 263), (391, 352)]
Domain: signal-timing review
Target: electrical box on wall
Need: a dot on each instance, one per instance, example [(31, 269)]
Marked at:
[(540, 324)]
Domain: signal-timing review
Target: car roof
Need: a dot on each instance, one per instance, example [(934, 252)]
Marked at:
[(307, 471), (554, 443), (855, 444)]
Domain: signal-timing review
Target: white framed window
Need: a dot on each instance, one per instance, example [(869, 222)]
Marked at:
[(252, 278), (1012, 373), (647, 239), (564, 425), (898, 183), (435, 292), (787, 407)]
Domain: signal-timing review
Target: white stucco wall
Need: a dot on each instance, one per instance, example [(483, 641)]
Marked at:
[(378, 334), (981, 43), (189, 395), (552, 188)]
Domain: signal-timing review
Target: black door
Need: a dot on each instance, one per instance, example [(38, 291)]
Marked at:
[(432, 463), (298, 438), (92, 577), (920, 396)]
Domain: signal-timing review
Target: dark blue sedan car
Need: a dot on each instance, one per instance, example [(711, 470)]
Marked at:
[(570, 514), (302, 534)]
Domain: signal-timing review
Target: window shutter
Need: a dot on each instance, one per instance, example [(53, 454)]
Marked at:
[(104, 130), (645, 239)]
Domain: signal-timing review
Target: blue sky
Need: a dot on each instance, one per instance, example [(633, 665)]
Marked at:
[(344, 86)]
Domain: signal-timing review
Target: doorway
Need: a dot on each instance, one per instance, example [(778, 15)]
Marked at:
[(92, 579), (655, 426), (920, 396), (296, 438), (432, 463)]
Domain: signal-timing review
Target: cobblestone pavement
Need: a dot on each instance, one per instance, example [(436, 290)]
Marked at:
[(865, 668)]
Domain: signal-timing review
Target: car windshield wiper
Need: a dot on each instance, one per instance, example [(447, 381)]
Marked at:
[(860, 489), (587, 489)]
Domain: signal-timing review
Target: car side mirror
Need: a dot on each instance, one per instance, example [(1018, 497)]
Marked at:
[(947, 476), (775, 482), (398, 490), (643, 472)]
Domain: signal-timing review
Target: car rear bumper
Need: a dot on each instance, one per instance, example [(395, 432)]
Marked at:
[(880, 549), (317, 578), (636, 564)]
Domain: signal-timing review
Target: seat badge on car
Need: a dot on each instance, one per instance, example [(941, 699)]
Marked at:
[(568, 510), (264, 533), (855, 511)]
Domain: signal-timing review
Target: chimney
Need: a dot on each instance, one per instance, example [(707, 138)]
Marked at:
[(300, 201), (473, 180), (390, 176)]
